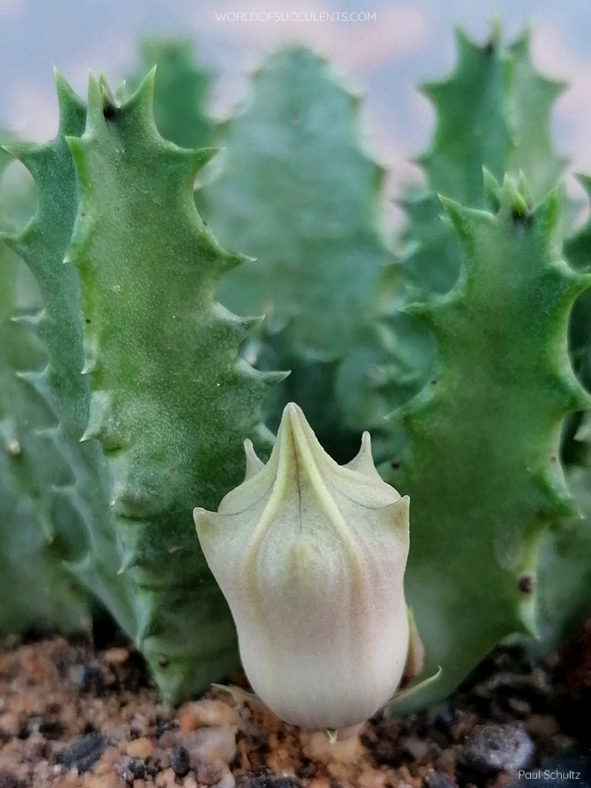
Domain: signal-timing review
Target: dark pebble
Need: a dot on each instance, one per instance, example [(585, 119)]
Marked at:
[(441, 716), (92, 679), (8, 780), (494, 748), (52, 730), (137, 768), (83, 753), (180, 763), (133, 769), (308, 769), (161, 725), (263, 781), (438, 780)]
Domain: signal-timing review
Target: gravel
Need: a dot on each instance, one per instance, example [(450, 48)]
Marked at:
[(75, 716), (494, 748), (84, 753), (180, 761)]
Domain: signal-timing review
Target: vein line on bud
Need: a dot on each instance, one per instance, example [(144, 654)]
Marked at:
[(299, 449)]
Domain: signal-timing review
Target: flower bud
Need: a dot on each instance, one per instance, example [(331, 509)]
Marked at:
[(310, 556)]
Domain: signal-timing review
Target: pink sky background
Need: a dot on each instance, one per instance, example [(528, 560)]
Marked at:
[(383, 60)]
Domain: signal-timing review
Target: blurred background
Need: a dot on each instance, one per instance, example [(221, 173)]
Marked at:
[(383, 54)]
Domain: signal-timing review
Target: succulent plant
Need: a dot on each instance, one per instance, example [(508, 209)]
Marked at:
[(493, 111), (170, 407), (125, 515), (295, 189), (482, 465), (501, 84), (127, 389), (32, 553), (48, 409), (180, 92), (565, 568)]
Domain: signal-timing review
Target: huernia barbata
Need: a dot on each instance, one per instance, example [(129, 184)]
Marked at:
[(310, 556)]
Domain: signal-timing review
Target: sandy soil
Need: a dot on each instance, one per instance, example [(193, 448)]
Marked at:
[(73, 714)]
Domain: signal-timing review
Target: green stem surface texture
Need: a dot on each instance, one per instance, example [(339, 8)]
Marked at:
[(171, 403), (482, 466), (68, 481)]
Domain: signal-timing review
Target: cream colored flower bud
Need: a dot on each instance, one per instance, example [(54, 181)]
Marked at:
[(310, 556)]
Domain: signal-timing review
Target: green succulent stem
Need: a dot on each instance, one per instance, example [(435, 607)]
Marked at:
[(482, 466), (68, 482), (171, 402)]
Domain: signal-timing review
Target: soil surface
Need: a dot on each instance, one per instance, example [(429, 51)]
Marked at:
[(73, 714)]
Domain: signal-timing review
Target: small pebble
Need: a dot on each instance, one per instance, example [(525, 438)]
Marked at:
[(264, 781), (206, 712), (543, 725), (90, 677), (495, 748), (167, 740), (166, 779), (109, 762), (438, 780), (104, 781), (227, 779), (211, 744), (83, 753), (417, 748), (208, 773), (116, 656), (8, 780), (9, 725), (519, 706), (317, 747), (441, 716), (180, 762), (141, 748), (133, 769)]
